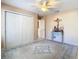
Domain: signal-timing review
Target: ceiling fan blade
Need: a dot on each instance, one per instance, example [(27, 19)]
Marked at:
[(36, 5), (53, 3)]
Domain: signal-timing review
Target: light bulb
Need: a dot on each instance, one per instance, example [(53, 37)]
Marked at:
[(44, 9)]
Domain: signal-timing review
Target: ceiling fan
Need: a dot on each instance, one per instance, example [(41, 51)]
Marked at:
[(45, 5)]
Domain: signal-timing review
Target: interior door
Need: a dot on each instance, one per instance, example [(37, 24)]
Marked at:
[(41, 29), (19, 29)]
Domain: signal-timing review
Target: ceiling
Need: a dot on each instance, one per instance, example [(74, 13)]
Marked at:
[(64, 5)]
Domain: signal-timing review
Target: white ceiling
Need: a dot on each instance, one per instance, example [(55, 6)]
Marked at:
[(64, 5)]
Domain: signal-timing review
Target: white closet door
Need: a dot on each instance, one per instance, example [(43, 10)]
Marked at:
[(19, 29), (28, 29)]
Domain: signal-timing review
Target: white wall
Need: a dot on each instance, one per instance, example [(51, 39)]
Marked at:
[(2, 29), (69, 21)]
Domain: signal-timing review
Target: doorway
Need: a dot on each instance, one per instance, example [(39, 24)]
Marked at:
[(41, 28)]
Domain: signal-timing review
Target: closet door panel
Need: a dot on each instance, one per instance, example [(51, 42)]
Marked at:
[(13, 30), (28, 29)]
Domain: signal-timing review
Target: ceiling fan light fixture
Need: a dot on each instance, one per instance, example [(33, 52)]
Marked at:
[(45, 5), (44, 9)]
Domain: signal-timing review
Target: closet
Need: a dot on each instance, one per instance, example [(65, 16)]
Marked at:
[(19, 29)]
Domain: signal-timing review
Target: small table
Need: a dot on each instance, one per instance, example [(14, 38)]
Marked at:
[(58, 36)]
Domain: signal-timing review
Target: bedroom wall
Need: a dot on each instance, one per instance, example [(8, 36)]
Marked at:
[(69, 21)]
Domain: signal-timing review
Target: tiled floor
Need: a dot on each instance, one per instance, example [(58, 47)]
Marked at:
[(42, 50)]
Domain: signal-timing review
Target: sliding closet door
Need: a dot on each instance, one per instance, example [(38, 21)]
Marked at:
[(27, 29), (19, 29)]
